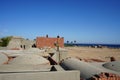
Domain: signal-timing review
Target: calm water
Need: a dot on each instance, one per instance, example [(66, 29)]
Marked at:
[(104, 45)]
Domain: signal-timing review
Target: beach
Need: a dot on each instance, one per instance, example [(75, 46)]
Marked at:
[(103, 54)]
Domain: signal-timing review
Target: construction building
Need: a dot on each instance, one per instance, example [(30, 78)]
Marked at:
[(42, 42)]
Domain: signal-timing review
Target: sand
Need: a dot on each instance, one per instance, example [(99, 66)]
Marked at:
[(94, 53)]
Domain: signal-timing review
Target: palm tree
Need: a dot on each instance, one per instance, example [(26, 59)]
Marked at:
[(74, 41), (67, 42), (71, 42)]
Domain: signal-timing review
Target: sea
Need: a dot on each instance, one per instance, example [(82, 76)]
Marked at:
[(93, 45)]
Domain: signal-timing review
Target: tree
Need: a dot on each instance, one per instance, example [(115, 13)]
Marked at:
[(0, 42), (5, 41), (71, 42), (74, 41)]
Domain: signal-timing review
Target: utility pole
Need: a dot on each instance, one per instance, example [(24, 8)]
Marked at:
[(58, 47), (58, 43)]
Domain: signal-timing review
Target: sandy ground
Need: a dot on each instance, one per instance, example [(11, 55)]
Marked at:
[(95, 53)]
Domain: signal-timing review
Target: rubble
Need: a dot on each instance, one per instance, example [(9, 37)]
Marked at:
[(105, 76)]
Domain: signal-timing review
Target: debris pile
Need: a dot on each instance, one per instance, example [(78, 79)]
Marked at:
[(105, 76)]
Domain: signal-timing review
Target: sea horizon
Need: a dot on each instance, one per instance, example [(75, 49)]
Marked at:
[(94, 44)]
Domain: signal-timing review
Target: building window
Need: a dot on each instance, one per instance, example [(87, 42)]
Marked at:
[(21, 46), (24, 46)]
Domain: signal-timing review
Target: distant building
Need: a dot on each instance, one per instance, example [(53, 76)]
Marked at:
[(20, 43), (42, 42)]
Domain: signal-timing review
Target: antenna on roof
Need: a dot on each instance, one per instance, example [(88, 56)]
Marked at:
[(58, 36), (47, 36)]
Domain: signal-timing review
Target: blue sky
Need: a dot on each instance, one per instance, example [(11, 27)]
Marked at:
[(86, 21)]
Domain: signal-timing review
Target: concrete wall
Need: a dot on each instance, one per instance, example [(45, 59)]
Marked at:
[(27, 43), (54, 75), (42, 42), (58, 56)]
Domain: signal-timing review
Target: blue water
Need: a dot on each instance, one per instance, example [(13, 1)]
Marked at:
[(104, 45)]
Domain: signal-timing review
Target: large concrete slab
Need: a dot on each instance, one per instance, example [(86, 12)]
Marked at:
[(29, 59)]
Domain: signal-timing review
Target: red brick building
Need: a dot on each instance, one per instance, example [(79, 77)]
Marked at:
[(42, 42)]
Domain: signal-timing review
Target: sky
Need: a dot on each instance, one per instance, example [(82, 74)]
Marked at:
[(86, 21)]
